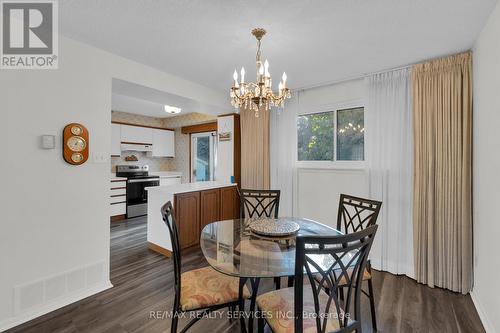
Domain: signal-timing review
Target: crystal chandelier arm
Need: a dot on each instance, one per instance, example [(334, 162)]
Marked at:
[(258, 95)]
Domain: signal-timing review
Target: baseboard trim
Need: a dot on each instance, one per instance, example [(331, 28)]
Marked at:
[(488, 327), (160, 250), (49, 307)]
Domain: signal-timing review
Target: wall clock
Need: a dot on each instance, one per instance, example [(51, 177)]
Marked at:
[(75, 144)]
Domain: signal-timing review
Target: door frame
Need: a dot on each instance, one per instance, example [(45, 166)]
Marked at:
[(213, 149)]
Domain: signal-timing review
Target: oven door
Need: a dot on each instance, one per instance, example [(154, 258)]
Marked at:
[(137, 197)]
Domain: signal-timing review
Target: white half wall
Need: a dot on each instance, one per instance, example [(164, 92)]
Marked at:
[(224, 168), (486, 166), (54, 239), (319, 192)]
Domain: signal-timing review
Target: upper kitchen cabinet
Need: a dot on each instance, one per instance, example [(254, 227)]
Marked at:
[(163, 143), (116, 139), (161, 140), (136, 134)]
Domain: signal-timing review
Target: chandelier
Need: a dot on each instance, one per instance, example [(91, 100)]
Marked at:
[(258, 95)]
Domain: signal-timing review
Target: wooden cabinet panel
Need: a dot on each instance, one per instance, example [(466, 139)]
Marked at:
[(210, 206), (187, 214), (230, 203)]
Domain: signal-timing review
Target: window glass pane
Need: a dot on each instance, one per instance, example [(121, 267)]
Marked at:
[(315, 136), (350, 135), (203, 159)]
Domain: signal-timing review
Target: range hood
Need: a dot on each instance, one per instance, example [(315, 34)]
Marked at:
[(136, 147)]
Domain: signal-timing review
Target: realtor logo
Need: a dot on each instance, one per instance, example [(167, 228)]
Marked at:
[(29, 34)]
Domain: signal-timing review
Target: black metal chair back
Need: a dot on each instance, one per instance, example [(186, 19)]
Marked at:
[(259, 203), (356, 214), (342, 263), (167, 212)]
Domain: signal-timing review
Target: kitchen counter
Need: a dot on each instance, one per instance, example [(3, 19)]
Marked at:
[(166, 174), (188, 187), (195, 204)]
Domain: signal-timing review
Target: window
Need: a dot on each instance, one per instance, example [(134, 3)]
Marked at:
[(332, 136)]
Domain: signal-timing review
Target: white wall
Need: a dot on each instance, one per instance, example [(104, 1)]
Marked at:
[(318, 184), (486, 164), (225, 150), (54, 239)]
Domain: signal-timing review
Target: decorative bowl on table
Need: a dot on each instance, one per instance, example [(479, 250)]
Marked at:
[(273, 227)]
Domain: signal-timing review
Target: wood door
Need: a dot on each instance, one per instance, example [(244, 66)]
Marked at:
[(187, 215), (210, 207), (230, 203)]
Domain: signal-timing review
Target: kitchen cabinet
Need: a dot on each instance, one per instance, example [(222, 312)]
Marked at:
[(163, 143), (187, 215), (230, 203), (194, 210), (195, 205), (118, 199), (116, 139), (136, 134), (209, 206)]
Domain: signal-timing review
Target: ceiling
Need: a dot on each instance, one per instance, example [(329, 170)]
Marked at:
[(133, 98), (315, 41)]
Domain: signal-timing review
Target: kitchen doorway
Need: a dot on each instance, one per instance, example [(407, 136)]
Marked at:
[(203, 156)]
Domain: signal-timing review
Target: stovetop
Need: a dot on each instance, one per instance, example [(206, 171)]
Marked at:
[(140, 176), (134, 171)]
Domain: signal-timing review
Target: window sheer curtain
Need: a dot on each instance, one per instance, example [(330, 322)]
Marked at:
[(390, 154), (283, 150)]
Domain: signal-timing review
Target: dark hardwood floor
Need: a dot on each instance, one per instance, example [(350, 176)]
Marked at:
[(143, 284)]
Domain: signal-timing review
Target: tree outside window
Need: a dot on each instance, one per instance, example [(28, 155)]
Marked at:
[(317, 140)]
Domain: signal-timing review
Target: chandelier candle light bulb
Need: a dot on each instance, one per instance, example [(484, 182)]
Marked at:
[(258, 95)]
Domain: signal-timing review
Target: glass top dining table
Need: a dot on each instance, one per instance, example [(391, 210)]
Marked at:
[(231, 248)]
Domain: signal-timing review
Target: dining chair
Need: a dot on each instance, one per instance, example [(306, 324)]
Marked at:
[(261, 203), (339, 261), (202, 289), (355, 214)]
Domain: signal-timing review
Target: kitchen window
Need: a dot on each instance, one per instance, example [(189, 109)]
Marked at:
[(337, 135)]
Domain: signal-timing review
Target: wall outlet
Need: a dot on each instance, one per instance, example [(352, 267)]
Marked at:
[(99, 158)]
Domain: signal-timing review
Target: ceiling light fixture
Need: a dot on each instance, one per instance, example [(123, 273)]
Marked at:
[(172, 109), (259, 95)]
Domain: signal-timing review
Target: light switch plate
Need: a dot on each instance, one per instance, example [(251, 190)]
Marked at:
[(99, 158), (48, 141)]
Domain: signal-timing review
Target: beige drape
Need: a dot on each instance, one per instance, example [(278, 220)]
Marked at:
[(442, 217), (254, 149)]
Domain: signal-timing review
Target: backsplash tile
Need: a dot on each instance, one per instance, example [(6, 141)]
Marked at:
[(181, 160), (136, 119), (155, 163)]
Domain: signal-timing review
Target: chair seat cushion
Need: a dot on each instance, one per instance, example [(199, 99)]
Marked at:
[(205, 287), (343, 282), (278, 309)]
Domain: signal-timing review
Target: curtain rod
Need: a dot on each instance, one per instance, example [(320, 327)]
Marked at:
[(350, 78), (362, 76)]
